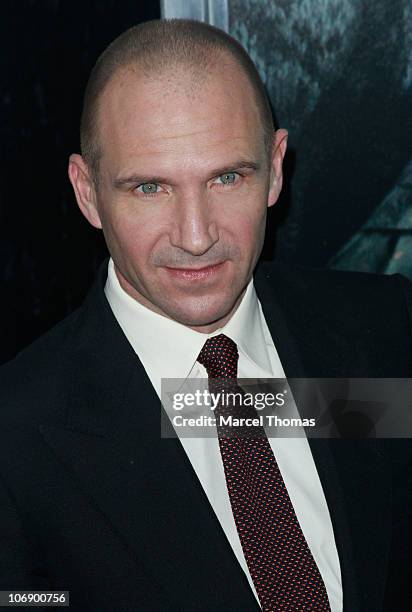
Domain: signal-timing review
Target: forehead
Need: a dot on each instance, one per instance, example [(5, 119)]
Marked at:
[(172, 119)]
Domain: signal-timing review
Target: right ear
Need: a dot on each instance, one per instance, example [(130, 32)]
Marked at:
[(84, 189)]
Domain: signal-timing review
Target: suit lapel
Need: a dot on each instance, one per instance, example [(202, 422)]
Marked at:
[(144, 485), (354, 476)]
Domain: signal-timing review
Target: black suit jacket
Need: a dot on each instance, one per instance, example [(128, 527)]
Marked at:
[(92, 500)]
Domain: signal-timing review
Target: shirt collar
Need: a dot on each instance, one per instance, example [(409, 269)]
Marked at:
[(169, 348)]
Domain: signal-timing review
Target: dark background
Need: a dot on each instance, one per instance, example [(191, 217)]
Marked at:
[(49, 253), (339, 76)]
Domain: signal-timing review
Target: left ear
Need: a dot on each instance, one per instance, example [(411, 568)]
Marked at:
[(280, 141)]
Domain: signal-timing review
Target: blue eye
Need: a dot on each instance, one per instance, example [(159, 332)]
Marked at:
[(148, 188), (228, 178)]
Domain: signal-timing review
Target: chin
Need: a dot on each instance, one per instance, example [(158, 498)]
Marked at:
[(201, 314)]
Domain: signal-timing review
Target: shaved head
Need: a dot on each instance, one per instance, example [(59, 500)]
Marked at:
[(183, 54)]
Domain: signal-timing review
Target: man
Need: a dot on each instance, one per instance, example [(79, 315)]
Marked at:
[(179, 164)]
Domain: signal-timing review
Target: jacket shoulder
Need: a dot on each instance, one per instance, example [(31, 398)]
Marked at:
[(35, 375), (339, 314), (351, 290)]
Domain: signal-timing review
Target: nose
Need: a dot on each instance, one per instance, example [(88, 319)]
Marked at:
[(194, 230)]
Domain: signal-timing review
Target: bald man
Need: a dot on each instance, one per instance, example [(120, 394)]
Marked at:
[(180, 162)]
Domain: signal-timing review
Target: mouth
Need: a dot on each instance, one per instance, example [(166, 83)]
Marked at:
[(190, 274)]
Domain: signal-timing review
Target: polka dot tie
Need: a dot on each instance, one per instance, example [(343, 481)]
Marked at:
[(280, 563)]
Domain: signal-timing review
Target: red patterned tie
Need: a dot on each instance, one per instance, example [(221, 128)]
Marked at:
[(282, 567)]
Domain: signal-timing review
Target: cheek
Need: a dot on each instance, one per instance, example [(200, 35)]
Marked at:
[(248, 229), (131, 235)]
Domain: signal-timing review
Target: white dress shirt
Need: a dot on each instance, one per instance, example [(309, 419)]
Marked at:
[(168, 349)]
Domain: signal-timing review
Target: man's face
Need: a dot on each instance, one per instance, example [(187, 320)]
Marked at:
[(183, 191)]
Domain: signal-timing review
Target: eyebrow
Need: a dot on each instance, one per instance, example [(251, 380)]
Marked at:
[(136, 179)]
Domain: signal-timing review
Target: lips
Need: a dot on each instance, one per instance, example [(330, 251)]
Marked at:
[(195, 273)]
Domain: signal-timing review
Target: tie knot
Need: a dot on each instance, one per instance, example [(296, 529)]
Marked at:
[(219, 356)]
